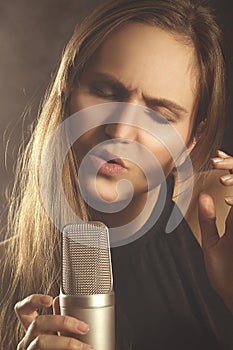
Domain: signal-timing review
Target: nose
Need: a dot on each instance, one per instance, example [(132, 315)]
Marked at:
[(121, 131), (122, 123)]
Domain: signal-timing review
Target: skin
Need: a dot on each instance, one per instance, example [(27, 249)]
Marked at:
[(141, 73), (146, 73), (41, 330)]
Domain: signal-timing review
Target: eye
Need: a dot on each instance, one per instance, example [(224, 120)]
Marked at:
[(105, 93), (162, 118), (166, 113)]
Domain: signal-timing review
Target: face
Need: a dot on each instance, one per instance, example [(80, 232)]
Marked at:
[(146, 66)]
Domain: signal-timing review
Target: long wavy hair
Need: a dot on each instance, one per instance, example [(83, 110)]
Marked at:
[(32, 253)]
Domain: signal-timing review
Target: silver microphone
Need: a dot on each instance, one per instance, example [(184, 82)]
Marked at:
[(87, 282)]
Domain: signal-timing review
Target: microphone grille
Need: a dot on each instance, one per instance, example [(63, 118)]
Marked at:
[(86, 259)]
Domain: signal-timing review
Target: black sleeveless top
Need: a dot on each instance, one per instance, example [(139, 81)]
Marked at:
[(164, 300)]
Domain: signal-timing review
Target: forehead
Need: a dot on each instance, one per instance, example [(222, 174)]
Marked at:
[(149, 60)]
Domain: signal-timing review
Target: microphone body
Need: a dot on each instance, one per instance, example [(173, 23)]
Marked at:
[(86, 282), (98, 311)]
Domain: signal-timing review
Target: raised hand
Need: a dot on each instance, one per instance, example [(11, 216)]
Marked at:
[(218, 251)]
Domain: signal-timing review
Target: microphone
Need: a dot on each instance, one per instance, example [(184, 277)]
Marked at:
[(87, 282)]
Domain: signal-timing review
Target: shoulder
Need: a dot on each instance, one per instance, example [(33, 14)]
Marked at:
[(209, 182)]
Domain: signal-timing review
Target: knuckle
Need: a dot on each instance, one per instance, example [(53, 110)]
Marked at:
[(19, 305), (31, 299), (35, 325), (73, 344), (66, 322), (40, 341)]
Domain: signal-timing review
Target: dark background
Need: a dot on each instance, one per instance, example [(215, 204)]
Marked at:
[(32, 36)]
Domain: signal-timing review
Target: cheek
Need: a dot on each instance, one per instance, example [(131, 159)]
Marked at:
[(156, 160), (163, 157), (77, 102), (167, 149), (185, 130), (86, 142), (80, 149)]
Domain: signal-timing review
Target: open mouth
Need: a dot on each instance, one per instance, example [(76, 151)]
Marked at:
[(108, 163), (111, 158), (113, 161)]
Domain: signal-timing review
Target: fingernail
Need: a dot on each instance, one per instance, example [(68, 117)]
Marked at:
[(226, 177), (229, 200), (217, 160), (46, 299), (223, 154), (83, 327)]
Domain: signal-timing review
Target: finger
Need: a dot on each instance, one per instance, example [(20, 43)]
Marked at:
[(26, 310), (207, 221), (227, 180), (56, 306), (229, 200), (222, 154), (229, 222), (53, 342), (222, 163), (51, 324)]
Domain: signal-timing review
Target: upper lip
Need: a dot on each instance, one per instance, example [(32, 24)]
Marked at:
[(106, 155)]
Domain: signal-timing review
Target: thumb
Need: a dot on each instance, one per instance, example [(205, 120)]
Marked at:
[(207, 221), (56, 306), (26, 310)]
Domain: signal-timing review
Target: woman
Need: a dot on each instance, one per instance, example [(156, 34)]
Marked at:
[(167, 56)]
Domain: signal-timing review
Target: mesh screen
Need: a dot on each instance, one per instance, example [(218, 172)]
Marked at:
[(86, 260)]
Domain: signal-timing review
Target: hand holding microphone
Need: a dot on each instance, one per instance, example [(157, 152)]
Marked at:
[(87, 298), (42, 330)]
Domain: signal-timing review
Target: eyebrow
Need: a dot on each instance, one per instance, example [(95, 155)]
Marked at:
[(152, 101)]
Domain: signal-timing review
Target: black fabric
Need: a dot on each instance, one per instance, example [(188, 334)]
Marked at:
[(163, 298)]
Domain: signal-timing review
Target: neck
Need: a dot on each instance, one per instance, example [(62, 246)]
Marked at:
[(135, 214)]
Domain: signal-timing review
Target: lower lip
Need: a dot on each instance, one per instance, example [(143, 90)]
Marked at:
[(110, 169)]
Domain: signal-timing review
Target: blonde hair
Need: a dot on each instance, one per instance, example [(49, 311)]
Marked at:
[(33, 253)]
